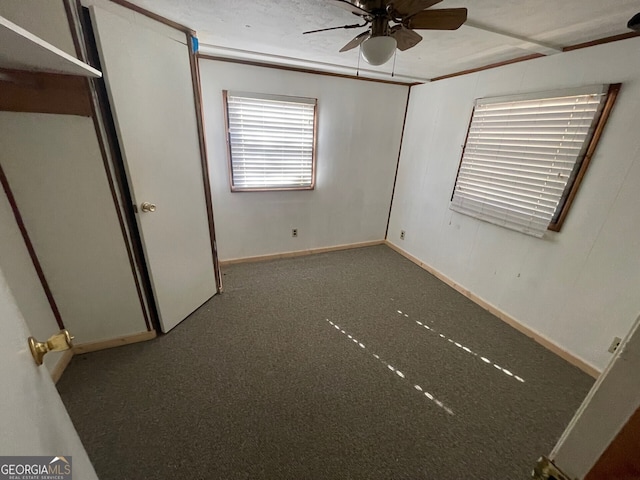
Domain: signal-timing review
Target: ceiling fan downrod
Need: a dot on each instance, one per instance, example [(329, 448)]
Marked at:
[(379, 27)]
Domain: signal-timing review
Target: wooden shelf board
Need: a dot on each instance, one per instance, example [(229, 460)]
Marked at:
[(21, 50)]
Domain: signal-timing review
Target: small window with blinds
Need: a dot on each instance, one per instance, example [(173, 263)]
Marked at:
[(271, 141), (524, 156)]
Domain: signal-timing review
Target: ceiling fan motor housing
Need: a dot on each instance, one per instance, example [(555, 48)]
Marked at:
[(380, 42)]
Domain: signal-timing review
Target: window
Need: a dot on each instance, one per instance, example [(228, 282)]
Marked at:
[(271, 141), (525, 156)]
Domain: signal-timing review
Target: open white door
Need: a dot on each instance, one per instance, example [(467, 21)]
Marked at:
[(613, 399), (148, 78), (33, 419)]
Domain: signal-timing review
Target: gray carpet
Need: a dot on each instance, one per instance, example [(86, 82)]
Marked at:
[(258, 384)]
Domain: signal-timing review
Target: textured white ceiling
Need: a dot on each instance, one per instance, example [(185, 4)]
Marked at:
[(273, 29)]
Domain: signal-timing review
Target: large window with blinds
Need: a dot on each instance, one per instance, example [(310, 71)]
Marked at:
[(271, 141), (525, 156)]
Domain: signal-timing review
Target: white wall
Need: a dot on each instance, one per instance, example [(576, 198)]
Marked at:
[(578, 288), (20, 273), (54, 167), (359, 128)]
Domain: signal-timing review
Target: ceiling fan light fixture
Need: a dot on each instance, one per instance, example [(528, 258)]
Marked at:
[(378, 50)]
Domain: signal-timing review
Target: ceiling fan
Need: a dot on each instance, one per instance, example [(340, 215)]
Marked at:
[(392, 24)]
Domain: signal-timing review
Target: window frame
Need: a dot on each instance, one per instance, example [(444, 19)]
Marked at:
[(234, 188), (611, 92), (609, 102)]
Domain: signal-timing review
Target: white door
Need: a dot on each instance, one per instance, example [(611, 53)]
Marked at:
[(33, 420), (607, 408), (148, 78)]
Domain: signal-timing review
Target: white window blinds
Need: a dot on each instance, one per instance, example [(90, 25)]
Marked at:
[(271, 141), (522, 154)]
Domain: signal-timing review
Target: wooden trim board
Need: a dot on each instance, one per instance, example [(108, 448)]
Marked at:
[(612, 95), (65, 359), (4, 183), (488, 67), (300, 253), (290, 68), (39, 92), (204, 158), (114, 342), (62, 364), (545, 342), (569, 48), (601, 41), (155, 16)]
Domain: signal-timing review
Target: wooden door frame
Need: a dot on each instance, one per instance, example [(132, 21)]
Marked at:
[(197, 94)]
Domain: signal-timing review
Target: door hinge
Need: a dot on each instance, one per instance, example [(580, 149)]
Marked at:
[(546, 470)]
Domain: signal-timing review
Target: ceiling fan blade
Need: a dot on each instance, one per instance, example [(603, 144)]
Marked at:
[(406, 38), (406, 8), (443, 19), (346, 27), (356, 41), (350, 7)]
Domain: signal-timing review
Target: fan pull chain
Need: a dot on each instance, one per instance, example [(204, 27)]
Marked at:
[(393, 69), (359, 55)]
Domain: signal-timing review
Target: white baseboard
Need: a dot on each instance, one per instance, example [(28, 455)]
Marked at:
[(299, 253), (67, 355), (114, 342), (61, 365)]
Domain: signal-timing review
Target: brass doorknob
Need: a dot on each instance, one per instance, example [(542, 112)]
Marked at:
[(57, 343), (148, 207)]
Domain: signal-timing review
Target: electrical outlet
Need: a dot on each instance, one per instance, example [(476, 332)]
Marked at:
[(294, 232), (615, 344), (401, 234)]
